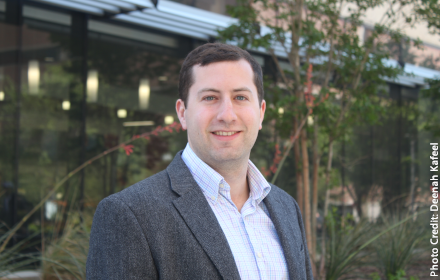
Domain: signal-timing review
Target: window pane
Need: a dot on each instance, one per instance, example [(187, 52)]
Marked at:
[(131, 89)]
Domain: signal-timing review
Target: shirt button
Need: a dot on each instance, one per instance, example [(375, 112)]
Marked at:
[(259, 255), (221, 185)]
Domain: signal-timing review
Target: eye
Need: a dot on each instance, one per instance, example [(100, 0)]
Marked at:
[(240, 97), (209, 98)]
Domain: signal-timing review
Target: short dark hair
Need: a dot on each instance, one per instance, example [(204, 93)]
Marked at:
[(216, 52)]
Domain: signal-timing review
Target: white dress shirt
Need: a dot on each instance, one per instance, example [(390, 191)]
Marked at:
[(251, 234)]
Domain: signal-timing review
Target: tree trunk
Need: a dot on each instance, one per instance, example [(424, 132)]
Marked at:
[(323, 252), (315, 185), (306, 176), (327, 182), (343, 181), (298, 176)]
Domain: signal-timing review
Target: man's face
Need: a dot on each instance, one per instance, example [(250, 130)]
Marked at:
[(223, 114)]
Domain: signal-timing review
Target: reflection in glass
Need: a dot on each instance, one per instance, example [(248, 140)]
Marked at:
[(139, 123), (34, 76), (122, 113), (144, 93), (45, 126), (66, 105), (92, 86), (138, 84), (169, 119)]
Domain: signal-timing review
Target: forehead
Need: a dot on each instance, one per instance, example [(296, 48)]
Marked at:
[(239, 70)]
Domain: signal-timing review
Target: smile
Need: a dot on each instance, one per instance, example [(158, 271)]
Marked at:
[(225, 133)]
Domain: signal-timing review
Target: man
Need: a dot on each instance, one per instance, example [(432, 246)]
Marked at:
[(210, 214)]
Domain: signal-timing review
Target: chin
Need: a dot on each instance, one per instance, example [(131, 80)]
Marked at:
[(227, 155)]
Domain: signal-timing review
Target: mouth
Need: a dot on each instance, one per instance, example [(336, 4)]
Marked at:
[(225, 133)]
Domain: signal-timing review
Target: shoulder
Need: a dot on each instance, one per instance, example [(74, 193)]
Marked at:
[(150, 192), (282, 195), (284, 198)]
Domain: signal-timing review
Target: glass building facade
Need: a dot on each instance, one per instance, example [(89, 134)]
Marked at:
[(74, 84), (73, 87)]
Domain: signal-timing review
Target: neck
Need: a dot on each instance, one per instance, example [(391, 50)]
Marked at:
[(236, 177)]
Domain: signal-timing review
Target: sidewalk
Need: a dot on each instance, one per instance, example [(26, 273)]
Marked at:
[(23, 275)]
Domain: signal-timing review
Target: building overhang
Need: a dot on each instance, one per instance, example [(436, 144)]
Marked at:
[(199, 24)]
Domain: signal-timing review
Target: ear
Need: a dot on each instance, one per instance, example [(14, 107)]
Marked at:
[(262, 111), (180, 109)]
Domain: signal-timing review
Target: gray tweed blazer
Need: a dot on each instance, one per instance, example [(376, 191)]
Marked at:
[(163, 228)]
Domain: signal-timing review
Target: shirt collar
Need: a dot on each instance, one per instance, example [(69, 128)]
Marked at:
[(208, 179)]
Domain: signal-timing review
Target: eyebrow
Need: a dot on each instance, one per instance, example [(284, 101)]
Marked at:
[(207, 89), (242, 89), (218, 91)]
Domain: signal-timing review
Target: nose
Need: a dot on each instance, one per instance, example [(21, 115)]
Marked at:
[(226, 112)]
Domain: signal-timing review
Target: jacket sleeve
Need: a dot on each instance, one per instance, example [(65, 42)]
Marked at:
[(118, 248), (307, 264)]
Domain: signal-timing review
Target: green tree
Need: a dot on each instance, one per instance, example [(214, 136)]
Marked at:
[(327, 75), (428, 11)]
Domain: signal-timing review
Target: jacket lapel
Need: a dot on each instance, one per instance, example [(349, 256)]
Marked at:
[(289, 240), (200, 218)]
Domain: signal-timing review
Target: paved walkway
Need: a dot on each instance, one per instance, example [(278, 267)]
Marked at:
[(23, 275)]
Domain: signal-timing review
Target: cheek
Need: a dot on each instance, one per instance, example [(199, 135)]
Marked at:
[(201, 119), (251, 118), (208, 113), (256, 114)]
